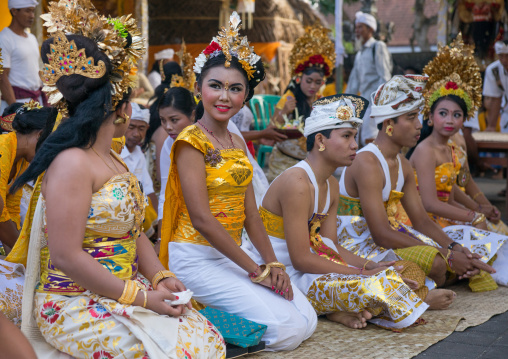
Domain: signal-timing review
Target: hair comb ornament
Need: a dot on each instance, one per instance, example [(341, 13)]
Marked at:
[(28, 106), (229, 43), (66, 59), (119, 38), (186, 63)]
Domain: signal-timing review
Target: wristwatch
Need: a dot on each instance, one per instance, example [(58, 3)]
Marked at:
[(450, 247)]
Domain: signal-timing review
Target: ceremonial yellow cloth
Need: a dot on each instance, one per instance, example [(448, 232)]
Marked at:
[(228, 173), (8, 148)]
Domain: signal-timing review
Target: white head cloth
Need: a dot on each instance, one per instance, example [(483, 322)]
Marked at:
[(342, 112), (400, 95), (21, 4), (367, 19), (501, 48), (140, 114), (165, 54)]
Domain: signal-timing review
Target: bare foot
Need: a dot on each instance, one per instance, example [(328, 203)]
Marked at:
[(351, 320), (439, 299)]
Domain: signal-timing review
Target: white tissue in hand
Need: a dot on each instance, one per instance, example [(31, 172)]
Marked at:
[(183, 298)]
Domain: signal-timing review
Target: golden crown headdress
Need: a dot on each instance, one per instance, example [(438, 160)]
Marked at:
[(453, 71), (229, 43), (186, 63), (112, 35), (1, 63), (313, 49)]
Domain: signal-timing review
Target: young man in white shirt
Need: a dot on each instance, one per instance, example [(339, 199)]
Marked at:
[(372, 68), (20, 81), (134, 157), (495, 87)]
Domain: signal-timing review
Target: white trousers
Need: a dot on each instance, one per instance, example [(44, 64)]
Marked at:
[(219, 283)]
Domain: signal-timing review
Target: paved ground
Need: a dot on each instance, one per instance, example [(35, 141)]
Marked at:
[(486, 341)]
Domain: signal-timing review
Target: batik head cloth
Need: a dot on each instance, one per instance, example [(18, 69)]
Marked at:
[(367, 19), (400, 95), (337, 111)]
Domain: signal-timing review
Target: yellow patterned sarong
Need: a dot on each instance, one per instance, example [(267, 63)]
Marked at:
[(385, 295)]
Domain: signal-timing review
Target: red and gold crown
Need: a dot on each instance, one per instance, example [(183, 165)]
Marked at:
[(313, 49), (453, 71)]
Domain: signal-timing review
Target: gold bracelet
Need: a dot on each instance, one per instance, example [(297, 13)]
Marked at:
[(365, 264), (277, 265), (476, 195), (479, 218), (146, 298), (129, 293), (266, 272), (160, 275)]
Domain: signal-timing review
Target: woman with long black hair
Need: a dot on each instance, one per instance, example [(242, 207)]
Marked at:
[(90, 297)]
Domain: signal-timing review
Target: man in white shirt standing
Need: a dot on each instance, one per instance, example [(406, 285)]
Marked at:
[(20, 81), (135, 159), (372, 68), (495, 87)]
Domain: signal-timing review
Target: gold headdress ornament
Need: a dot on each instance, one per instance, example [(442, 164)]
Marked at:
[(313, 49), (112, 35), (186, 63), (1, 63), (229, 43), (453, 71)]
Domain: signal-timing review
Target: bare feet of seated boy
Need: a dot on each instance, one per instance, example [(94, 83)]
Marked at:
[(351, 320), (439, 299)]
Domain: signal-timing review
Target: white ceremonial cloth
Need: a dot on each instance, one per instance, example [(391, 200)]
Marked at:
[(218, 282)]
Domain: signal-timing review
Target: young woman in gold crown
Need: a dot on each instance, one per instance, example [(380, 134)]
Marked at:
[(300, 204), (210, 199), (452, 95), (86, 289), (312, 60)]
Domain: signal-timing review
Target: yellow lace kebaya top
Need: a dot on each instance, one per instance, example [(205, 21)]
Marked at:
[(8, 146), (112, 228), (228, 173), (446, 176)]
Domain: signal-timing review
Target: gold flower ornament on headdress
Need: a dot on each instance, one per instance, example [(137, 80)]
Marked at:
[(313, 49), (186, 63), (453, 71), (119, 38), (229, 43)]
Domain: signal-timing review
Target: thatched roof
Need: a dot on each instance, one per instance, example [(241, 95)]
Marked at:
[(198, 20)]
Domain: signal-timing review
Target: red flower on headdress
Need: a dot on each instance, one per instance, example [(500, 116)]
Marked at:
[(316, 59), (102, 354), (210, 49), (450, 85)]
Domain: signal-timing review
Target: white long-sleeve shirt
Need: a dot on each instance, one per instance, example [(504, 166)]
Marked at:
[(372, 68), (136, 163)]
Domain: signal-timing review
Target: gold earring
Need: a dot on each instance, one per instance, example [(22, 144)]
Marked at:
[(198, 95), (430, 123), (321, 147), (389, 130), (121, 120)]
